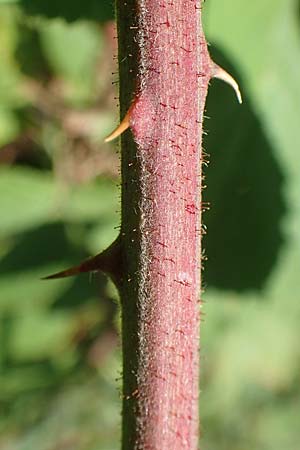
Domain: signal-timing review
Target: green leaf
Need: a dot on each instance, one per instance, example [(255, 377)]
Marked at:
[(72, 52), (251, 331), (40, 335), (269, 65), (9, 126), (24, 290), (74, 414), (27, 199), (71, 49), (71, 9), (30, 198), (10, 94), (97, 201), (101, 236)]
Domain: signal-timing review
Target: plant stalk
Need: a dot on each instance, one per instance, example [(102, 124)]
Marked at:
[(164, 73)]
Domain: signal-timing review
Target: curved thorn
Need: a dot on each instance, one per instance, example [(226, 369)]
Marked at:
[(123, 126), (221, 74)]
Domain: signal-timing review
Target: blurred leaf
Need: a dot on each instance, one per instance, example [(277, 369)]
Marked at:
[(93, 202), (74, 416), (9, 78), (251, 369), (30, 198), (250, 340), (270, 70), (277, 427), (9, 126), (244, 237), (38, 248), (27, 199), (24, 290), (48, 329), (101, 236), (28, 52), (36, 254), (72, 52), (71, 9), (263, 354), (40, 335), (21, 379), (71, 49)]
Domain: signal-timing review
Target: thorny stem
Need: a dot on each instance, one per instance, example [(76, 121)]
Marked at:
[(164, 73), (164, 69)]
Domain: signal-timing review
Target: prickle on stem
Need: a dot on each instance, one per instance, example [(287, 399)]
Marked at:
[(216, 72), (221, 74), (123, 126), (109, 261)]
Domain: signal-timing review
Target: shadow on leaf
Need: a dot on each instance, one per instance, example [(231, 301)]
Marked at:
[(245, 191), (71, 10), (40, 250)]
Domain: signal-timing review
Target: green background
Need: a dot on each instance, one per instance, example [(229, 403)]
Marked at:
[(60, 202)]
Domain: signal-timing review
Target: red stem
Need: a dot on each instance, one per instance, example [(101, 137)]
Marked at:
[(162, 44), (165, 69)]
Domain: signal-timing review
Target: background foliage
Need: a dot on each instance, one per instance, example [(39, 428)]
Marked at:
[(59, 202)]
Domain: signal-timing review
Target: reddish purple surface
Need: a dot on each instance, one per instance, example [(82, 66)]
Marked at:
[(166, 122)]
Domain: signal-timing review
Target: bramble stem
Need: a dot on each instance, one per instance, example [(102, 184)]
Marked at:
[(165, 69)]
